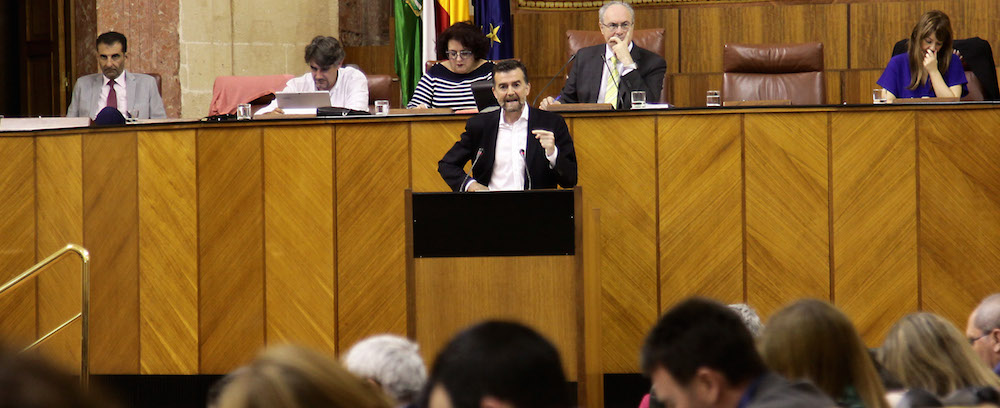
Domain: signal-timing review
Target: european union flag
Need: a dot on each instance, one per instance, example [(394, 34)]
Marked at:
[(493, 16)]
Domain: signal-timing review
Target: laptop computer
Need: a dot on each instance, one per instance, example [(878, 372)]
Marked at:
[(482, 90), (302, 102)]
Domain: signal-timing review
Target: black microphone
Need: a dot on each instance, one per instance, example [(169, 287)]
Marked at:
[(617, 83), (479, 153), (542, 92), (526, 169)]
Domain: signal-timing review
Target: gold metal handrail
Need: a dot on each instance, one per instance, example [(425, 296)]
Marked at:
[(84, 314)]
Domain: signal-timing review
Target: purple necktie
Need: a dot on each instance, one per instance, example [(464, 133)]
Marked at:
[(112, 95)]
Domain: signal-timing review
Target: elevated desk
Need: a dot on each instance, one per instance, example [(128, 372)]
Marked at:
[(212, 240)]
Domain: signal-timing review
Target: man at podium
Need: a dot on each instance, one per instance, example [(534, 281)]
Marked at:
[(516, 148)]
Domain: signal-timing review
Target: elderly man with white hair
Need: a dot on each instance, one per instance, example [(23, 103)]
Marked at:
[(983, 331), (392, 362)]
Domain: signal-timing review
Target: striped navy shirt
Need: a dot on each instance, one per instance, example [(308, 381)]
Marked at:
[(441, 88)]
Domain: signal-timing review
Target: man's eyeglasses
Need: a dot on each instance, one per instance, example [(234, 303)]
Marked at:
[(974, 340), (464, 54), (615, 26)]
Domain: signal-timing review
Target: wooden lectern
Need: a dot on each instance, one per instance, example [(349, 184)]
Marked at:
[(504, 255)]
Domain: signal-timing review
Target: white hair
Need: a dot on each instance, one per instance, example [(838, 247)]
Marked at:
[(600, 13), (986, 317), (750, 318), (393, 362)]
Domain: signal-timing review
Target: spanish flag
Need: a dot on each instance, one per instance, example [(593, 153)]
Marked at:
[(455, 11)]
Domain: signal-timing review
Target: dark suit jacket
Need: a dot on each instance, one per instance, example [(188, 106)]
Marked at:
[(481, 132), (584, 82)]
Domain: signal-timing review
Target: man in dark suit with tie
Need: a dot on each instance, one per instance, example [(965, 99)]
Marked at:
[(517, 148), (134, 95), (608, 73)]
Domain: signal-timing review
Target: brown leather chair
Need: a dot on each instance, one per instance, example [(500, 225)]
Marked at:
[(650, 39), (379, 87), (774, 72)]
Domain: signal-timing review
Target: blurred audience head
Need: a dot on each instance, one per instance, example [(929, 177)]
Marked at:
[(983, 331), (750, 318), (925, 351), (392, 362), (813, 340), (497, 364), (696, 349), (296, 377), (464, 44), (27, 380)]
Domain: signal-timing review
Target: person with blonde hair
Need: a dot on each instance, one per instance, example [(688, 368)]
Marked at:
[(923, 350), (296, 377), (813, 340)]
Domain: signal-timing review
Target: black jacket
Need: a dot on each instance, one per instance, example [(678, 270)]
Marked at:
[(584, 82), (481, 132)]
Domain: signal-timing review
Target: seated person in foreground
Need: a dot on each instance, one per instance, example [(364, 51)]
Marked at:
[(449, 84), (392, 362), (515, 148), (608, 73), (700, 354), (928, 68), (134, 95), (348, 86), (497, 365)]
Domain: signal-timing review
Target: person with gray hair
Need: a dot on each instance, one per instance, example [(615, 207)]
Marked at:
[(609, 72), (983, 331), (392, 362), (750, 318), (348, 86)]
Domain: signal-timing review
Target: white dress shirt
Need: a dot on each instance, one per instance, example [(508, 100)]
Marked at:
[(622, 70), (119, 84), (350, 91), (508, 163)]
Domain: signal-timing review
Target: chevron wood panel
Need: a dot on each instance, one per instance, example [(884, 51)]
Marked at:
[(701, 208), (17, 227), (168, 252), (371, 238), (617, 158), (59, 200), (874, 218), (713, 27), (876, 26), (299, 236), (959, 210), (787, 210), (111, 233), (689, 89), (540, 291), (429, 141), (230, 247)]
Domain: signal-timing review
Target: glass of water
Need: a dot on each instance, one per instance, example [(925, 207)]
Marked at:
[(243, 112), (878, 95), (712, 98), (382, 107), (638, 99)]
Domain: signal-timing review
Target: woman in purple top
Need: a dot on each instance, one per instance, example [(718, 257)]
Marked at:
[(919, 72)]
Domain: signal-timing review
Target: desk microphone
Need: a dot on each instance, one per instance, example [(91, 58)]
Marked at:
[(542, 92), (479, 153), (528, 173), (617, 83)]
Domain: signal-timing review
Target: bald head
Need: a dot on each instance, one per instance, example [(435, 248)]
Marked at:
[(987, 314), (983, 330)]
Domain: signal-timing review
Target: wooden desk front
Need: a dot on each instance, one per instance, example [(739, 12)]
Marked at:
[(210, 241)]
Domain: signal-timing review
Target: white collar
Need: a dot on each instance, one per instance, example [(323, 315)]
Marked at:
[(524, 116)]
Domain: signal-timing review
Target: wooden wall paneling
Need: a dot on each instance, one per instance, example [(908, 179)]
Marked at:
[(874, 218), (429, 141), (959, 211), (858, 85), (168, 252), (299, 236), (17, 227), (704, 31), (230, 247), (689, 89), (617, 156), (111, 233), (833, 81), (371, 240), (59, 172), (701, 208), (876, 26), (535, 290), (787, 208)]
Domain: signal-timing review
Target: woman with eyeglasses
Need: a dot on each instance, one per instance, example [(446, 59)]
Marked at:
[(448, 84)]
